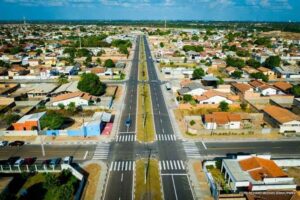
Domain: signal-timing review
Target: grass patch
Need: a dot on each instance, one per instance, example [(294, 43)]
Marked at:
[(143, 72), (145, 126), (94, 171), (152, 188), (218, 177)]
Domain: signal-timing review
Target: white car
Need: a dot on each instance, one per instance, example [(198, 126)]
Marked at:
[(19, 162), (3, 143), (68, 160)]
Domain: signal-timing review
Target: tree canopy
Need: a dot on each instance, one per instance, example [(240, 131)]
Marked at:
[(260, 75), (198, 73), (235, 62), (109, 63), (91, 84), (253, 63), (223, 106), (273, 61), (52, 120), (193, 48)]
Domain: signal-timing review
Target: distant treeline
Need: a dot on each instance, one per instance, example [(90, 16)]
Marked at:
[(245, 25)]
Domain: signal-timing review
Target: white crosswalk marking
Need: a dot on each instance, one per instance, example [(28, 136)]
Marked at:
[(122, 166), (191, 150), (101, 151), (126, 138), (165, 165), (166, 137)]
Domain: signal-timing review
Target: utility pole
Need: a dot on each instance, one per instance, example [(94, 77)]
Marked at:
[(42, 146)]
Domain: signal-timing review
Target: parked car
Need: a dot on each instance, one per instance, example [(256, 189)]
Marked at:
[(54, 161), (68, 160), (3, 143), (19, 162), (29, 161), (16, 143), (12, 160)]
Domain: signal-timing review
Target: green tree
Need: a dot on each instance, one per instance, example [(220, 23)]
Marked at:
[(11, 118), (273, 61), (161, 45), (66, 192), (72, 107), (109, 63), (50, 181), (123, 49), (98, 61), (237, 74), (187, 98), (61, 106), (195, 37), (192, 48), (62, 79), (296, 90), (243, 106), (260, 75), (91, 84), (52, 120), (253, 63), (235, 62), (192, 122), (83, 53), (198, 73), (242, 53), (223, 106)]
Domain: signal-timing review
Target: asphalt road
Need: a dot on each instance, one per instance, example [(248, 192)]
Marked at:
[(79, 152), (278, 149), (171, 151), (119, 184)]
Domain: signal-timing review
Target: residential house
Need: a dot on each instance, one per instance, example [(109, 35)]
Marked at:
[(241, 88), (222, 120), (179, 72), (192, 88), (255, 173), (282, 118), (29, 122), (34, 62), (17, 70), (79, 98), (214, 97), (263, 88), (40, 90), (283, 86), (230, 70), (266, 71), (66, 88)]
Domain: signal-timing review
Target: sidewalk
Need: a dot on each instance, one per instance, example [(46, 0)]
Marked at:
[(96, 183), (198, 180)]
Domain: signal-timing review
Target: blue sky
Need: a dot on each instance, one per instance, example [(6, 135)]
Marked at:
[(256, 10)]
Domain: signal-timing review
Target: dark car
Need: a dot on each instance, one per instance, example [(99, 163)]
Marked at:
[(16, 143), (29, 161), (54, 161), (12, 160), (128, 122), (46, 162)]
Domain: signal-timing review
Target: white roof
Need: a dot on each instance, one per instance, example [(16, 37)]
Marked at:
[(32, 117)]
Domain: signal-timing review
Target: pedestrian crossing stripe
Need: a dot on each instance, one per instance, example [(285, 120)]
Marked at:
[(191, 150), (171, 165), (122, 166), (126, 138), (101, 151), (166, 137)]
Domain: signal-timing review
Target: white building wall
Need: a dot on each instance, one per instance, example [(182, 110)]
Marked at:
[(268, 92), (215, 100), (77, 100), (273, 187), (293, 126)]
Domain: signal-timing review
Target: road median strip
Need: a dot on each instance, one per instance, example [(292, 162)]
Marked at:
[(147, 180)]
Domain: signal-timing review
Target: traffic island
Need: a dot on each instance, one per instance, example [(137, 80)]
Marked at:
[(145, 124), (147, 180)]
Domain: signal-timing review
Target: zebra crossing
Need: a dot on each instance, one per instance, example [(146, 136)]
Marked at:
[(122, 166), (126, 138), (165, 165), (101, 151), (165, 137), (191, 150)]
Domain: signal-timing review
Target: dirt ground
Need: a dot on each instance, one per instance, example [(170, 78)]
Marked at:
[(94, 171), (205, 190), (285, 35), (294, 172)]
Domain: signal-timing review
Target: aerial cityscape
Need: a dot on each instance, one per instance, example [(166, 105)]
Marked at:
[(150, 100)]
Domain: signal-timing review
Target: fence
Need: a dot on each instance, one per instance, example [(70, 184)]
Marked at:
[(233, 131)]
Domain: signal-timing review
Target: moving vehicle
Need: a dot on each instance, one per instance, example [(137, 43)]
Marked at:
[(128, 122)]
